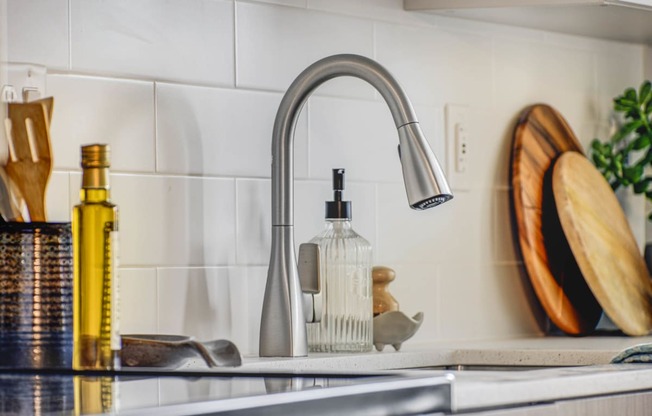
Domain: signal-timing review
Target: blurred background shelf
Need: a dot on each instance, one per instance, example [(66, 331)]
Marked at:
[(625, 21)]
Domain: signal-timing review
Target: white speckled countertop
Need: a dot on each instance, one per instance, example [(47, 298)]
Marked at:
[(579, 367)]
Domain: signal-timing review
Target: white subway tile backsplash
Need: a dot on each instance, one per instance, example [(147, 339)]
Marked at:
[(165, 41), (353, 134), (138, 295), (103, 110), (529, 73), (211, 303), (186, 94), (275, 44), (417, 289), (621, 68), (175, 221), (460, 299), (295, 3), (57, 197), (509, 306), (432, 123), (361, 136), (446, 233), (213, 131), (37, 32), (505, 235), (253, 235), (256, 279), (437, 67)]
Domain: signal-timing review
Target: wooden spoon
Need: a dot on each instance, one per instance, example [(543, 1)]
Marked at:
[(29, 164)]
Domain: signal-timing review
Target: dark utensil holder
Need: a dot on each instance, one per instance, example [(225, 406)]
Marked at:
[(36, 272)]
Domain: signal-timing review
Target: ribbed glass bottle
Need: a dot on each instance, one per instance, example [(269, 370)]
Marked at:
[(345, 261), (345, 275)]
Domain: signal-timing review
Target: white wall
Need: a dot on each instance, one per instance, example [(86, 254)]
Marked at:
[(185, 92)]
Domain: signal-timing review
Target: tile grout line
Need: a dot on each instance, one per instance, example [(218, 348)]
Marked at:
[(235, 44), (156, 132), (70, 35), (236, 221)]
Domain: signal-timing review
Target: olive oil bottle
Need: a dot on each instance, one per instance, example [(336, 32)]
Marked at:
[(96, 337)]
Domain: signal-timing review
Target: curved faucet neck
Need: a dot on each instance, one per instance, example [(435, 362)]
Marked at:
[(292, 103), (285, 305)]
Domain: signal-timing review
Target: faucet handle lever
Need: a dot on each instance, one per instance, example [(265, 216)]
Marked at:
[(310, 278), (309, 268)]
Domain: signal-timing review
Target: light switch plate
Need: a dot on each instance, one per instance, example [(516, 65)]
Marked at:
[(457, 147)]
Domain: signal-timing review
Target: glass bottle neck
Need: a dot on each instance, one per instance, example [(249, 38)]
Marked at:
[(338, 223), (94, 195), (95, 185)]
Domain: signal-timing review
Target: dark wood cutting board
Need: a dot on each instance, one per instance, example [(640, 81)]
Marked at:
[(540, 137), (603, 244)]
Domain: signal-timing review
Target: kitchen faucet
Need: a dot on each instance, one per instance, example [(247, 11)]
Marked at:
[(286, 307)]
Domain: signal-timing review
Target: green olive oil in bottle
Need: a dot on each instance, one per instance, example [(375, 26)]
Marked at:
[(96, 337)]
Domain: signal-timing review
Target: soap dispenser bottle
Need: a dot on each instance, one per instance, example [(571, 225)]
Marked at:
[(346, 286)]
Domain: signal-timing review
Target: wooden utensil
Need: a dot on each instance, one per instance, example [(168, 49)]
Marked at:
[(603, 244), (540, 137), (10, 199), (29, 164)]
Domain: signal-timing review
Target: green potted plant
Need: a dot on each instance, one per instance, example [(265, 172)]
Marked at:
[(624, 158)]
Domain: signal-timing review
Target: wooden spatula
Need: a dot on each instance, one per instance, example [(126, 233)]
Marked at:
[(29, 165)]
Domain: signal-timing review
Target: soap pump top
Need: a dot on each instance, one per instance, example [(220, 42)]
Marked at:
[(338, 209)]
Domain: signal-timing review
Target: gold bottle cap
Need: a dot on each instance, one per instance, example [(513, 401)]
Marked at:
[(95, 156)]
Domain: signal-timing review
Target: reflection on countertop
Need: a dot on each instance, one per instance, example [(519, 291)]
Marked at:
[(194, 393)]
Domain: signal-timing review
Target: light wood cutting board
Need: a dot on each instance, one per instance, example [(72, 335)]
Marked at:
[(541, 135), (603, 244)]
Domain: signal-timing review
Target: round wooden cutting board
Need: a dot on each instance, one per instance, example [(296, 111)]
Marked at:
[(540, 137), (603, 244)]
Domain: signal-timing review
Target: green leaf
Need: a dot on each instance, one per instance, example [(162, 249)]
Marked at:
[(645, 92), (617, 166), (641, 143), (620, 107), (626, 130), (633, 173), (630, 94), (648, 157), (600, 161), (641, 187)]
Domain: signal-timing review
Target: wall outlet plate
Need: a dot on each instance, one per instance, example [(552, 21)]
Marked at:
[(457, 147)]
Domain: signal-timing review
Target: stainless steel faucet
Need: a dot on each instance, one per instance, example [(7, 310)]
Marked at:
[(286, 308)]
